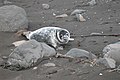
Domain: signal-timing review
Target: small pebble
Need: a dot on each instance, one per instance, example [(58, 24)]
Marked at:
[(62, 16), (45, 6), (54, 14), (92, 2), (101, 19), (95, 13), (80, 18), (49, 65), (4, 57), (78, 11), (100, 74), (35, 68)]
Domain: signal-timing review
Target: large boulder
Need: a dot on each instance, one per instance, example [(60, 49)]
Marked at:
[(75, 52), (27, 54), (12, 18), (107, 62), (112, 51)]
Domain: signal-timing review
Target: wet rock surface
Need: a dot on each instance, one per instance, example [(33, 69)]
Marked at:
[(108, 62), (75, 52), (112, 51), (27, 54)]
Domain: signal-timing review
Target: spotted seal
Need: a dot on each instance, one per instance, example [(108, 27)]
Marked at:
[(53, 36)]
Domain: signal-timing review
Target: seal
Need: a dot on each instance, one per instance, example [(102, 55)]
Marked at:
[(53, 36)]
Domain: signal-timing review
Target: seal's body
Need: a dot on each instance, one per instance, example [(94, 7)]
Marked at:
[(53, 36)]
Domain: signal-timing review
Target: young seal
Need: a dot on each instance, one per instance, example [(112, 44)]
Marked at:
[(53, 36)]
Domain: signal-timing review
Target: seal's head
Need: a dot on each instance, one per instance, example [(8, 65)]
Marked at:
[(63, 36)]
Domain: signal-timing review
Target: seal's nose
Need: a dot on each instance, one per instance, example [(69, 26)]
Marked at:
[(67, 38)]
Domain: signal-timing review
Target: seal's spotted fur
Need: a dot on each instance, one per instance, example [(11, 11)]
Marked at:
[(53, 36)]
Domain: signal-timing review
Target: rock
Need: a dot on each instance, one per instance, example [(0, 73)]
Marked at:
[(62, 16), (92, 3), (46, 6), (51, 71), (35, 68), (78, 11), (80, 18), (12, 18), (49, 65), (108, 62), (112, 51), (75, 52), (27, 54), (94, 33), (18, 43), (100, 74)]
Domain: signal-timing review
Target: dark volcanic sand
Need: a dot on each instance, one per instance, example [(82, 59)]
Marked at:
[(106, 13)]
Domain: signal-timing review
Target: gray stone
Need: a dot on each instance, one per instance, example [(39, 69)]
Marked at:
[(46, 6), (77, 11), (112, 51), (108, 62), (49, 65), (92, 3), (12, 18), (75, 52), (27, 54)]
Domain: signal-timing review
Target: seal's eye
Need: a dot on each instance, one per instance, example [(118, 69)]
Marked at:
[(62, 33), (61, 36), (66, 34)]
